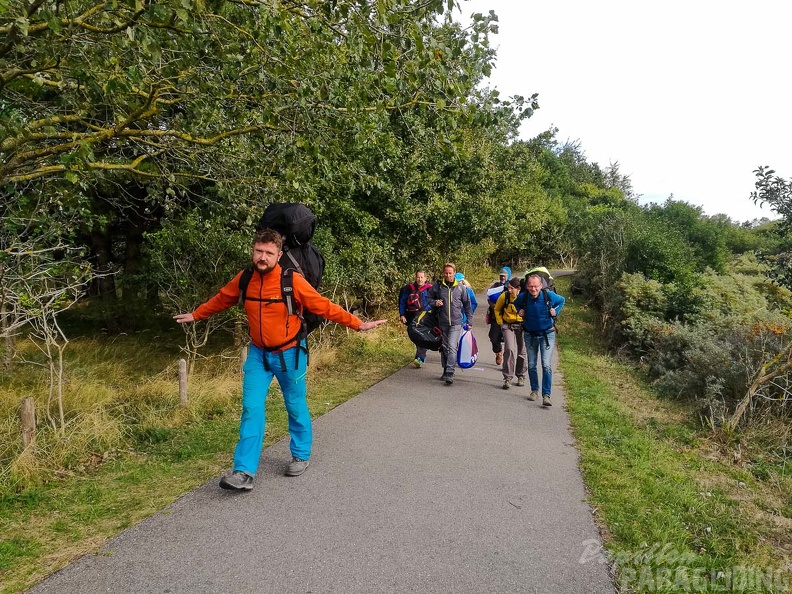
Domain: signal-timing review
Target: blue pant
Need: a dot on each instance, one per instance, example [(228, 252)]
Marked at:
[(534, 345), (255, 386)]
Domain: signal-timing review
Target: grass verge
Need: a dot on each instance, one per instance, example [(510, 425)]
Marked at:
[(676, 513)]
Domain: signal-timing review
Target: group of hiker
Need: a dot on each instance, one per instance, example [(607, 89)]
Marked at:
[(521, 318), (279, 294)]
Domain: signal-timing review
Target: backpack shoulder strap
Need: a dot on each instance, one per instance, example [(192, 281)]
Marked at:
[(549, 307), (244, 281), (294, 262), (287, 290), (505, 303), (547, 300)]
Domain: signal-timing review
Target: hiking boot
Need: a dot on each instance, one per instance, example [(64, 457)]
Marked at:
[(533, 395), (498, 358), (418, 362), (546, 401), (296, 467), (449, 379), (444, 377), (237, 481), (506, 384), (520, 381)]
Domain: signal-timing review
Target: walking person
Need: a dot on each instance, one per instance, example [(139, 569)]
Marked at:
[(495, 332), (460, 278), (514, 360), (539, 308), (278, 349), (413, 299), (450, 299)]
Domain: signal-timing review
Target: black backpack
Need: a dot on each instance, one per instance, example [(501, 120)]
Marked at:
[(424, 331), (296, 224)]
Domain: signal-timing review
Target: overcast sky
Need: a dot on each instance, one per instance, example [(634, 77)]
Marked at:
[(688, 97)]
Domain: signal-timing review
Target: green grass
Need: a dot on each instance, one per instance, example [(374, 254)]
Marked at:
[(165, 451), (673, 516)]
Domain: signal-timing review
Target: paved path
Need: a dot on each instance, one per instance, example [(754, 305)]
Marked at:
[(413, 487)]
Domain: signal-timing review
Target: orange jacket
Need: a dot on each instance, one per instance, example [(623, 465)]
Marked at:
[(270, 325)]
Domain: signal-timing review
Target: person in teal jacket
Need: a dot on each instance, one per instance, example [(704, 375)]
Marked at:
[(460, 278), (539, 308)]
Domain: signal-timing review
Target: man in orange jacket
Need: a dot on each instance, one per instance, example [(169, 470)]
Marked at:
[(275, 348)]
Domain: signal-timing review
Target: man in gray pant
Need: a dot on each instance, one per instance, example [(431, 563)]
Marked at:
[(450, 297)]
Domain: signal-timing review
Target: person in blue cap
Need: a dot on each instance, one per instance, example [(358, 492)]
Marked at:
[(460, 278)]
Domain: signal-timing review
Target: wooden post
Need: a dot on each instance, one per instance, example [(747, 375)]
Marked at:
[(243, 353), (27, 413), (183, 382)]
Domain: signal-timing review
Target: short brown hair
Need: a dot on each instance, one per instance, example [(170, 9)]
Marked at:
[(515, 283), (268, 236), (449, 265)]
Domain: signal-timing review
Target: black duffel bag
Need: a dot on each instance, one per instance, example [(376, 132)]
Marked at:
[(424, 331)]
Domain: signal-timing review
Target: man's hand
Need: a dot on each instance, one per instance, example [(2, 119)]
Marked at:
[(184, 318), (403, 319), (366, 326)]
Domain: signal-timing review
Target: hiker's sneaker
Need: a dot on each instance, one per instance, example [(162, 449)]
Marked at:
[(444, 377), (498, 358), (506, 384), (296, 467), (533, 395), (237, 481), (418, 362), (520, 381), (449, 379), (546, 401)]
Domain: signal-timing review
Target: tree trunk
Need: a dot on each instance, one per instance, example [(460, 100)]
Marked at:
[(765, 375), (134, 289), (101, 247)]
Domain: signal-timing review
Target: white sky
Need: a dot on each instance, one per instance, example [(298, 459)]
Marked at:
[(688, 96)]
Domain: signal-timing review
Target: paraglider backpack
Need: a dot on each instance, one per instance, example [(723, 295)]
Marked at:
[(296, 224), (547, 279), (424, 331)]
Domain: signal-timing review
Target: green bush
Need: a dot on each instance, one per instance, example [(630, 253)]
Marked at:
[(713, 354)]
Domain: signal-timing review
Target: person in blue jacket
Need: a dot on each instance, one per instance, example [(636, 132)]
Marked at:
[(539, 309), (413, 299), (460, 278)]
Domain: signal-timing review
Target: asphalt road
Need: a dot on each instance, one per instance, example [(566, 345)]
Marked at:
[(413, 487)]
